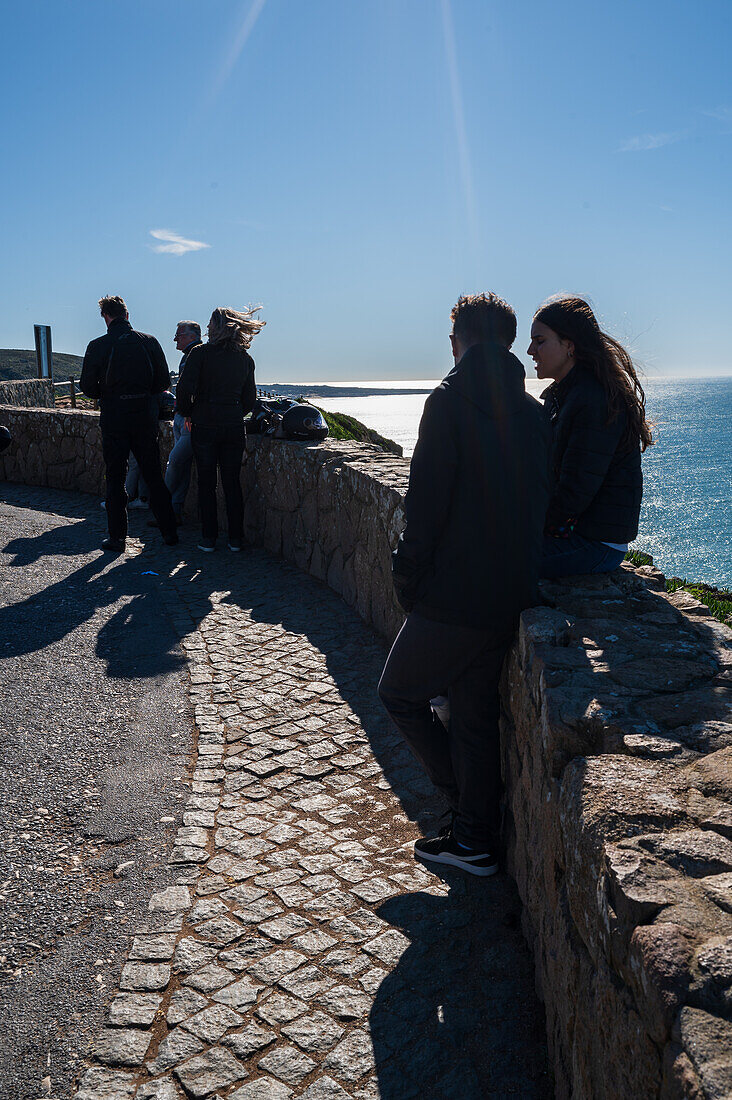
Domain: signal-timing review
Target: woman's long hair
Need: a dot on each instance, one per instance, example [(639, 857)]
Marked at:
[(234, 328), (572, 319)]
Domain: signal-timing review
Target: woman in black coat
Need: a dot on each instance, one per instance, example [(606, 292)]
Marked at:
[(215, 391), (597, 409)]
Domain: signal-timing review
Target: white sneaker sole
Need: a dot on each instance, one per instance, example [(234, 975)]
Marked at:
[(456, 861), (206, 549)]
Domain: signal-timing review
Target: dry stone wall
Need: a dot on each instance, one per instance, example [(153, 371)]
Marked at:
[(28, 393), (617, 740), (617, 733)]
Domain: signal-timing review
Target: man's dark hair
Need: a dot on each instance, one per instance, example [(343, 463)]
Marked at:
[(479, 318), (189, 326), (113, 306)]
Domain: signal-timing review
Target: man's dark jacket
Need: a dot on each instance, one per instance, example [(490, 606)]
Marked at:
[(125, 370), (598, 484), (477, 497), (216, 386)]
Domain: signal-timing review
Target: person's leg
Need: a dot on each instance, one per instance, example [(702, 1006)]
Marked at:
[(178, 472), (575, 554), (230, 456), (146, 449), (115, 450), (475, 747), (204, 451), (426, 657)]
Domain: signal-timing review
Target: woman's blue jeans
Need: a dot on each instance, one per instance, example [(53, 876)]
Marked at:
[(575, 554)]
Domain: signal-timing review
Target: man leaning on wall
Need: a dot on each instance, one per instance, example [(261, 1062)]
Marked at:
[(466, 565), (126, 370)]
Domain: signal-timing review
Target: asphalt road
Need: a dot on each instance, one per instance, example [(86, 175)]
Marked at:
[(95, 735)]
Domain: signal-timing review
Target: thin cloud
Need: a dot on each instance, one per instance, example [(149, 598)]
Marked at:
[(723, 115), (461, 133), (643, 142), (174, 244), (254, 10)]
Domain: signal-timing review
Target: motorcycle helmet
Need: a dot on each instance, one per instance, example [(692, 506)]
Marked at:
[(304, 422)]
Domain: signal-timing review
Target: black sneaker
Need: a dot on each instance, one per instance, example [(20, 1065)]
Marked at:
[(115, 546), (445, 849), (207, 545), (171, 539)]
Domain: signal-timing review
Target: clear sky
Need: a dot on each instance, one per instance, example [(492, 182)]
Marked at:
[(355, 165)]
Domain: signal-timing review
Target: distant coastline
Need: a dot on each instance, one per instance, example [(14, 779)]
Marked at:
[(291, 389)]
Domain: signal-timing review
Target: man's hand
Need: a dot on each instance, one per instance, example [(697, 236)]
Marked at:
[(187, 423)]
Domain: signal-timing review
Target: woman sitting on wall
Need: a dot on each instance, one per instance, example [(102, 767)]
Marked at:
[(597, 409), (216, 390)]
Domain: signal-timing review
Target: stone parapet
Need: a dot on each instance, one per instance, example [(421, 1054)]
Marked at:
[(30, 393), (335, 510), (617, 740)]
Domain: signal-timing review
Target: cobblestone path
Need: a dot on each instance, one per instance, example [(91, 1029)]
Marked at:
[(303, 952)]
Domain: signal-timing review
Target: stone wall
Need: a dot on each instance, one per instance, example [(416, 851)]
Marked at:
[(617, 739), (335, 510), (31, 393), (617, 757)]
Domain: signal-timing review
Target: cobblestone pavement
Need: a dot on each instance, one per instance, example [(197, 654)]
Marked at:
[(302, 952)]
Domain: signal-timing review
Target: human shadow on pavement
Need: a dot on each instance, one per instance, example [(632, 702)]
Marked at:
[(450, 1021), (66, 540), (132, 641)]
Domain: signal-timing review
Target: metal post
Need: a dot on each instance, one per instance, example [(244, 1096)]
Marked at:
[(72, 384)]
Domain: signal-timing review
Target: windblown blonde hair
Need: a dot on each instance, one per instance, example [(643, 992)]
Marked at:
[(238, 329)]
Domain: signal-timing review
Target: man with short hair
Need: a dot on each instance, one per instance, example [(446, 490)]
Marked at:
[(466, 565), (180, 460), (126, 371)]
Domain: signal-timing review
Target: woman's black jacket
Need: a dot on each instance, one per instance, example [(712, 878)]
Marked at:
[(598, 482), (216, 386)]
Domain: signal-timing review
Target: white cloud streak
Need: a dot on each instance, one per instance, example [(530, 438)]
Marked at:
[(252, 14), (461, 135), (174, 244), (644, 142)]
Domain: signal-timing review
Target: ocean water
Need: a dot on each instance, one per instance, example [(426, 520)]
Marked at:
[(686, 519)]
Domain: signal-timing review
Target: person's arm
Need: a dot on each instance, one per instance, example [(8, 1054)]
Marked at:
[(249, 389), (91, 370), (585, 462), (161, 374), (187, 387), (427, 503)]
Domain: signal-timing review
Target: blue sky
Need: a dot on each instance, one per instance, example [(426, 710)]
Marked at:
[(355, 165)]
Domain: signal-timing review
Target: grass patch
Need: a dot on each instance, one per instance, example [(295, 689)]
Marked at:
[(637, 557), (718, 600), (342, 426)]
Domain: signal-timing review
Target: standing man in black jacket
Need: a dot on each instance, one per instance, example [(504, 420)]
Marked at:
[(465, 567), (126, 370)]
